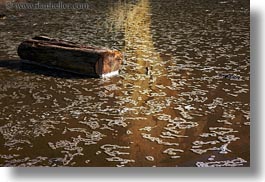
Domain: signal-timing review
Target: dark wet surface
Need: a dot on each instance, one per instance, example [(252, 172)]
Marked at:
[(181, 99)]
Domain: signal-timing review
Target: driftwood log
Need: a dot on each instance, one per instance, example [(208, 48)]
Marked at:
[(69, 56)]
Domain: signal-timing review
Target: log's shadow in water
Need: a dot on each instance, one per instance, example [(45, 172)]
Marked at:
[(114, 173), (17, 65)]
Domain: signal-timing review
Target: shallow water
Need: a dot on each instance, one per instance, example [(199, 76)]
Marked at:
[(181, 98)]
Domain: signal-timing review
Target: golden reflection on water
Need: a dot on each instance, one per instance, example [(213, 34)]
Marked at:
[(135, 21)]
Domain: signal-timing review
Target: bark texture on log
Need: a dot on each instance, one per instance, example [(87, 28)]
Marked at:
[(69, 56)]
